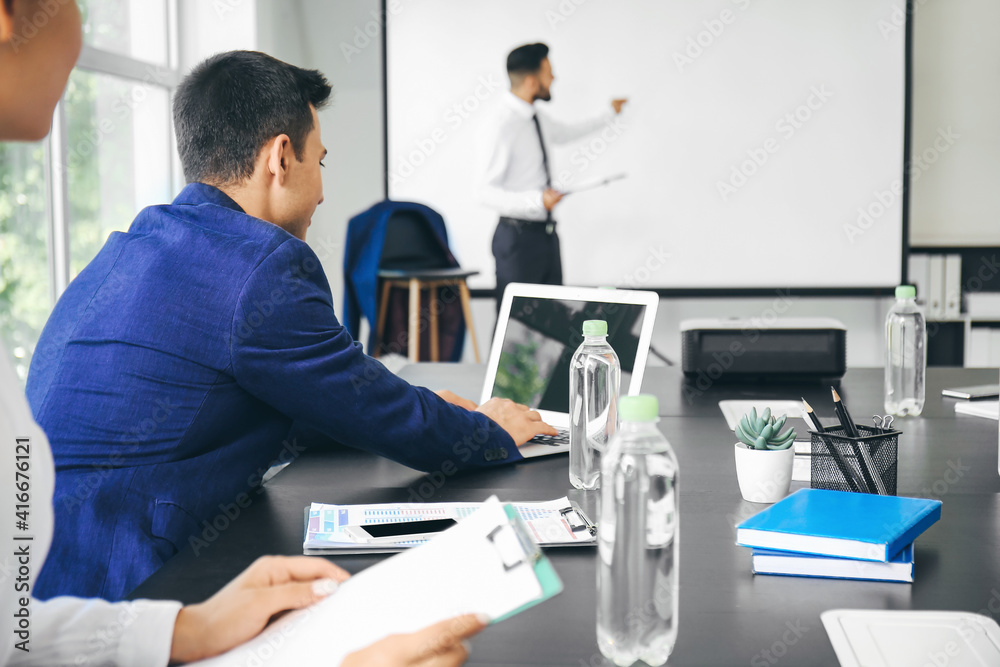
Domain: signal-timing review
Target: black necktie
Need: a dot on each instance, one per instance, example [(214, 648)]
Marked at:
[(545, 160), (545, 157)]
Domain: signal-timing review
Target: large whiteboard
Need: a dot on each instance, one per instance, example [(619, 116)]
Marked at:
[(763, 140)]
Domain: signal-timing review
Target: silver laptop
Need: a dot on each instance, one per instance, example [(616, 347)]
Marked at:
[(539, 329)]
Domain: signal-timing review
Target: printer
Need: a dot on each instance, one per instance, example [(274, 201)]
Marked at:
[(763, 349)]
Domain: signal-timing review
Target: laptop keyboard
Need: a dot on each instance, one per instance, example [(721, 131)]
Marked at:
[(552, 440)]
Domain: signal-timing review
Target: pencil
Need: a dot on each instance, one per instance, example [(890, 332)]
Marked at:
[(872, 479), (845, 468)]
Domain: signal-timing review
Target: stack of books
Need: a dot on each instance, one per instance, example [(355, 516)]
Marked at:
[(838, 534)]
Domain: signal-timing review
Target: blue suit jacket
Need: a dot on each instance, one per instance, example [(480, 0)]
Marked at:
[(366, 234), (171, 371)]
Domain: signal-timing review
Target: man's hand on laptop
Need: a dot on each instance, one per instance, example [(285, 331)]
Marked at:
[(521, 422), (456, 400)]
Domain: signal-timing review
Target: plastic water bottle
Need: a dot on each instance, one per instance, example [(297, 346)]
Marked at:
[(906, 355), (594, 380), (637, 540)]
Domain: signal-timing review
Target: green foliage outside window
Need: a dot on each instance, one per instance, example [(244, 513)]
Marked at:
[(518, 375), (25, 287), (24, 272)]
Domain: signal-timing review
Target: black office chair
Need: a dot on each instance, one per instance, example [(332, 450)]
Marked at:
[(414, 258)]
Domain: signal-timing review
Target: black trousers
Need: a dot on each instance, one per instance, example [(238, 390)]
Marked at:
[(526, 252)]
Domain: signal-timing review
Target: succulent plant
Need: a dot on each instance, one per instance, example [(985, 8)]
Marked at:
[(763, 431)]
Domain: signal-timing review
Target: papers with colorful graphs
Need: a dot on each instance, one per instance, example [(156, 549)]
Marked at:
[(551, 523), (486, 564)]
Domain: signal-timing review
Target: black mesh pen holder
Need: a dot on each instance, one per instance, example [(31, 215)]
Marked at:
[(866, 464)]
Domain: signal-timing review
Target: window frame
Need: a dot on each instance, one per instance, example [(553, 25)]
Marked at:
[(133, 70)]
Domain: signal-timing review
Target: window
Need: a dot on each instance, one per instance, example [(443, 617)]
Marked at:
[(119, 155), (25, 282), (110, 154)]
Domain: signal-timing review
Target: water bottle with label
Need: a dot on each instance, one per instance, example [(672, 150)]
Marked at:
[(637, 540), (594, 379), (906, 355)]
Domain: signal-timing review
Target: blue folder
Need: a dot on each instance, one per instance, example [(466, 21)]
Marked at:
[(864, 526)]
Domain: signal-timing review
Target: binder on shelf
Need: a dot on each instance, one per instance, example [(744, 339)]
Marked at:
[(994, 358), (952, 297), (983, 306), (918, 276), (935, 287), (486, 564), (977, 349)]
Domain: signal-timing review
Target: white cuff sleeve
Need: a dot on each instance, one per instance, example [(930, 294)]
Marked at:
[(91, 632), (148, 640)]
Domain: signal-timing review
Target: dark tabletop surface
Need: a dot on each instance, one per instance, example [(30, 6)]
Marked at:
[(727, 615)]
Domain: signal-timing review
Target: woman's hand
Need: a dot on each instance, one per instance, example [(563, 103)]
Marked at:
[(440, 645), (244, 606)]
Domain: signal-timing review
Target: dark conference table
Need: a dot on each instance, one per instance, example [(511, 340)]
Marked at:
[(727, 615)]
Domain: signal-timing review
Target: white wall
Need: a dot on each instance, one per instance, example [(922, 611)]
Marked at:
[(956, 123), (212, 27), (342, 39), (314, 33)]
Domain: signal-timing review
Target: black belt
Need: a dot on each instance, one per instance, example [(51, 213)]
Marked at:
[(520, 223)]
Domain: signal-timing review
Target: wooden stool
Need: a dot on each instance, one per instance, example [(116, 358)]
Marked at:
[(429, 279)]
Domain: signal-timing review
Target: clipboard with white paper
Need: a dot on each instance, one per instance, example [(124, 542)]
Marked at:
[(487, 564)]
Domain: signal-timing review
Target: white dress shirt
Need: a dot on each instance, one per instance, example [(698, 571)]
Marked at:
[(63, 630), (512, 173)]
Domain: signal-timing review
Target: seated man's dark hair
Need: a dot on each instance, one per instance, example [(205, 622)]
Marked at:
[(234, 103), (526, 59)]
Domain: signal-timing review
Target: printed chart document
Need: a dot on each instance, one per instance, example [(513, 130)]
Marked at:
[(551, 523), (486, 564)]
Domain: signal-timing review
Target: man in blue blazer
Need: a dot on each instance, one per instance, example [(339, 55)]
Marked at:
[(173, 368)]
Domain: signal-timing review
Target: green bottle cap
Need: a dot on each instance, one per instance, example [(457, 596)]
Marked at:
[(906, 292), (595, 328), (641, 408)]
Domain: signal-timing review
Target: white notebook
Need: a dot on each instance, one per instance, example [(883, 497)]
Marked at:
[(881, 638), (486, 564), (987, 409)]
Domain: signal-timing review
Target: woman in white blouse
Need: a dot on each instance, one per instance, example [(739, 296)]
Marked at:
[(39, 43)]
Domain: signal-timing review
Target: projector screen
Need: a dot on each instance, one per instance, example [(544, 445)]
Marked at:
[(762, 142)]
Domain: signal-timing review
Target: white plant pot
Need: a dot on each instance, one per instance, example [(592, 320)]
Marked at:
[(764, 474)]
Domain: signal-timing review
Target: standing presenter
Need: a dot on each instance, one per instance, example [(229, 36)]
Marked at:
[(516, 174)]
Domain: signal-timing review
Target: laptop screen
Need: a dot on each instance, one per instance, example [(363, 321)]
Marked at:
[(541, 337)]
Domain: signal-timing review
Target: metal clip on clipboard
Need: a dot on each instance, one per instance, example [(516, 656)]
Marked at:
[(577, 520), (514, 544)]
